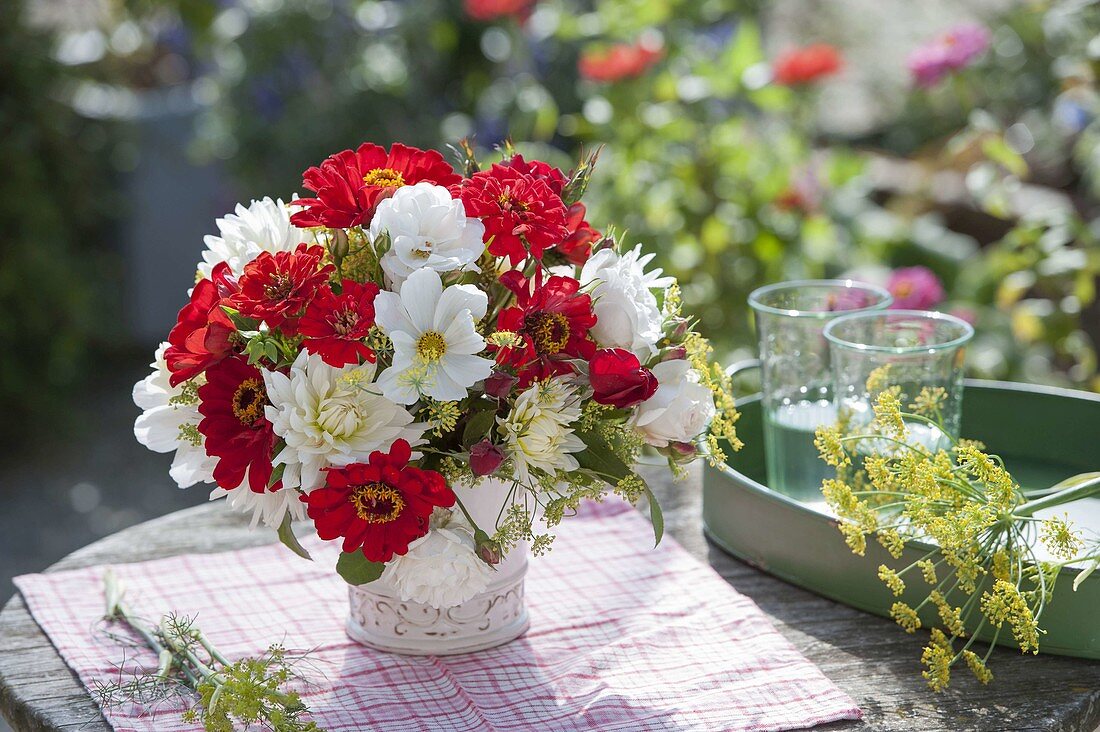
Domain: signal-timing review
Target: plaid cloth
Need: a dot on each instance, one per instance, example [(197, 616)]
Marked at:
[(623, 637)]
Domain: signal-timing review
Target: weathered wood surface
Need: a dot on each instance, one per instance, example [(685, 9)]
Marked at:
[(868, 657)]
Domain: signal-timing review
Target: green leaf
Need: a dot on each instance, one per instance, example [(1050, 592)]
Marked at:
[(478, 426), (656, 516), (999, 151), (356, 569), (239, 320), (286, 535), (277, 471), (598, 457)]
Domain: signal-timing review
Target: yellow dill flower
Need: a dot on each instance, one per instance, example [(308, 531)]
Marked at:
[(1002, 569), (938, 660), (887, 409), (630, 487), (827, 440), (1058, 536), (905, 616), (977, 667), (928, 571), (1000, 488), (929, 401), (949, 615), (878, 470), (854, 536), (891, 579), (1004, 604), (442, 416), (891, 541), (878, 379), (838, 495)]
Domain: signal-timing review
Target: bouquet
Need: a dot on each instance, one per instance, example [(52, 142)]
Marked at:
[(352, 357)]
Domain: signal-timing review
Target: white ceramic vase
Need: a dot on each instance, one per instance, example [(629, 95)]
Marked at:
[(380, 619)]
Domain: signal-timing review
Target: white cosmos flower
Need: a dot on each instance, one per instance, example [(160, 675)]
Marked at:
[(441, 568), (434, 339), (264, 226), (170, 422), (679, 410), (537, 433), (427, 228), (626, 310), (269, 507), (330, 416)]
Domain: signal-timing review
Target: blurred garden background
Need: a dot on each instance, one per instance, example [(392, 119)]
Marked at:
[(948, 149)]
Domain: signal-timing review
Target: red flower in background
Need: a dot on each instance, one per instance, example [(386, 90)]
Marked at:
[(619, 379), (577, 246), (620, 61), (349, 184), (276, 288), (493, 9), (202, 334), (515, 207), (803, 65), (380, 507), (232, 403), (553, 321), (335, 325)]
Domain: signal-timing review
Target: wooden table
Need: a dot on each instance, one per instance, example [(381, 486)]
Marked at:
[(868, 657)]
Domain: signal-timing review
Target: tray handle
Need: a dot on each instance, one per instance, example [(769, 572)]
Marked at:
[(737, 367)]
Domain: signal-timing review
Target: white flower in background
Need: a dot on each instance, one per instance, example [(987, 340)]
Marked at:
[(434, 339), (264, 226), (269, 507), (170, 422), (441, 568), (330, 416), (536, 432), (679, 410), (427, 228), (626, 310)]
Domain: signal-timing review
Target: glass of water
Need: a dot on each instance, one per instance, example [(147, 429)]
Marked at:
[(919, 354), (797, 382)]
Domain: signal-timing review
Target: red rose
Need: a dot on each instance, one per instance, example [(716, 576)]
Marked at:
[(350, 183), (803, 65), (619, 379), (335, 325), (521, 213), (620, 61), (485, 458), (276, 288), (202, 334), (380, 507)]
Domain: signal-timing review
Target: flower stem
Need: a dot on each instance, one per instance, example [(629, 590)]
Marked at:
[(1089, 486)]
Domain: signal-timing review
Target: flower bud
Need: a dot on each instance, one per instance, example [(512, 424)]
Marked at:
[(489, 551), (499, 385), (485, 458), (678, 328), (676, 353), (339, 247)]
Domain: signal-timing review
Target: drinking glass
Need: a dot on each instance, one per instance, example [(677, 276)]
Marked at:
[(797, 382), (917, 352)]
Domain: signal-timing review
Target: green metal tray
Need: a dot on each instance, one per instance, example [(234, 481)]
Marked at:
[(1044, 434)]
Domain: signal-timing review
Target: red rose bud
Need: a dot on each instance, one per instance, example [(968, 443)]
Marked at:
[(676, 353), (499, 384), (619, 379), (683, 448), (485, 458), (680, 328), (488, 551)]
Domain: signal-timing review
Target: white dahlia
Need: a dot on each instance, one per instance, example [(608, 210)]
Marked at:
[(679, 410), (537, 433), (427, 228), (434, 339), (269, 507), (330, 416), (441, 568), (264, 226), (626, 310), (170, 422)]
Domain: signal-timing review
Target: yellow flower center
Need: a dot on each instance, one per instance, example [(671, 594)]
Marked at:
[(509, 203), (903, 289), (377, 503), (384, 178), (549, 331), (430, 346), (248, 401)]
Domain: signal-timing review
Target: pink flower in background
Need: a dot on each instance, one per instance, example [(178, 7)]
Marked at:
[(915, 288), (954, 50)]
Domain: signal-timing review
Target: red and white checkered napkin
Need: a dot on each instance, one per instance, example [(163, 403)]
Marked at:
[(623, 637)]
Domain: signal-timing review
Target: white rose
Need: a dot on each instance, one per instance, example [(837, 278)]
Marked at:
[(679, 410), (626, 310), (442, 568), (427, 229)]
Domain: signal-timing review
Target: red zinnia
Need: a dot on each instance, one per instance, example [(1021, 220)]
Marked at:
[(553, 321), (492, 9), (350, 183), (335, 325), (380, 507), (803, 65), (232, 403), (276, 288), (202, 334), (515, 207), (620, 61), (619, 379), (577, 246), (552, 176)]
